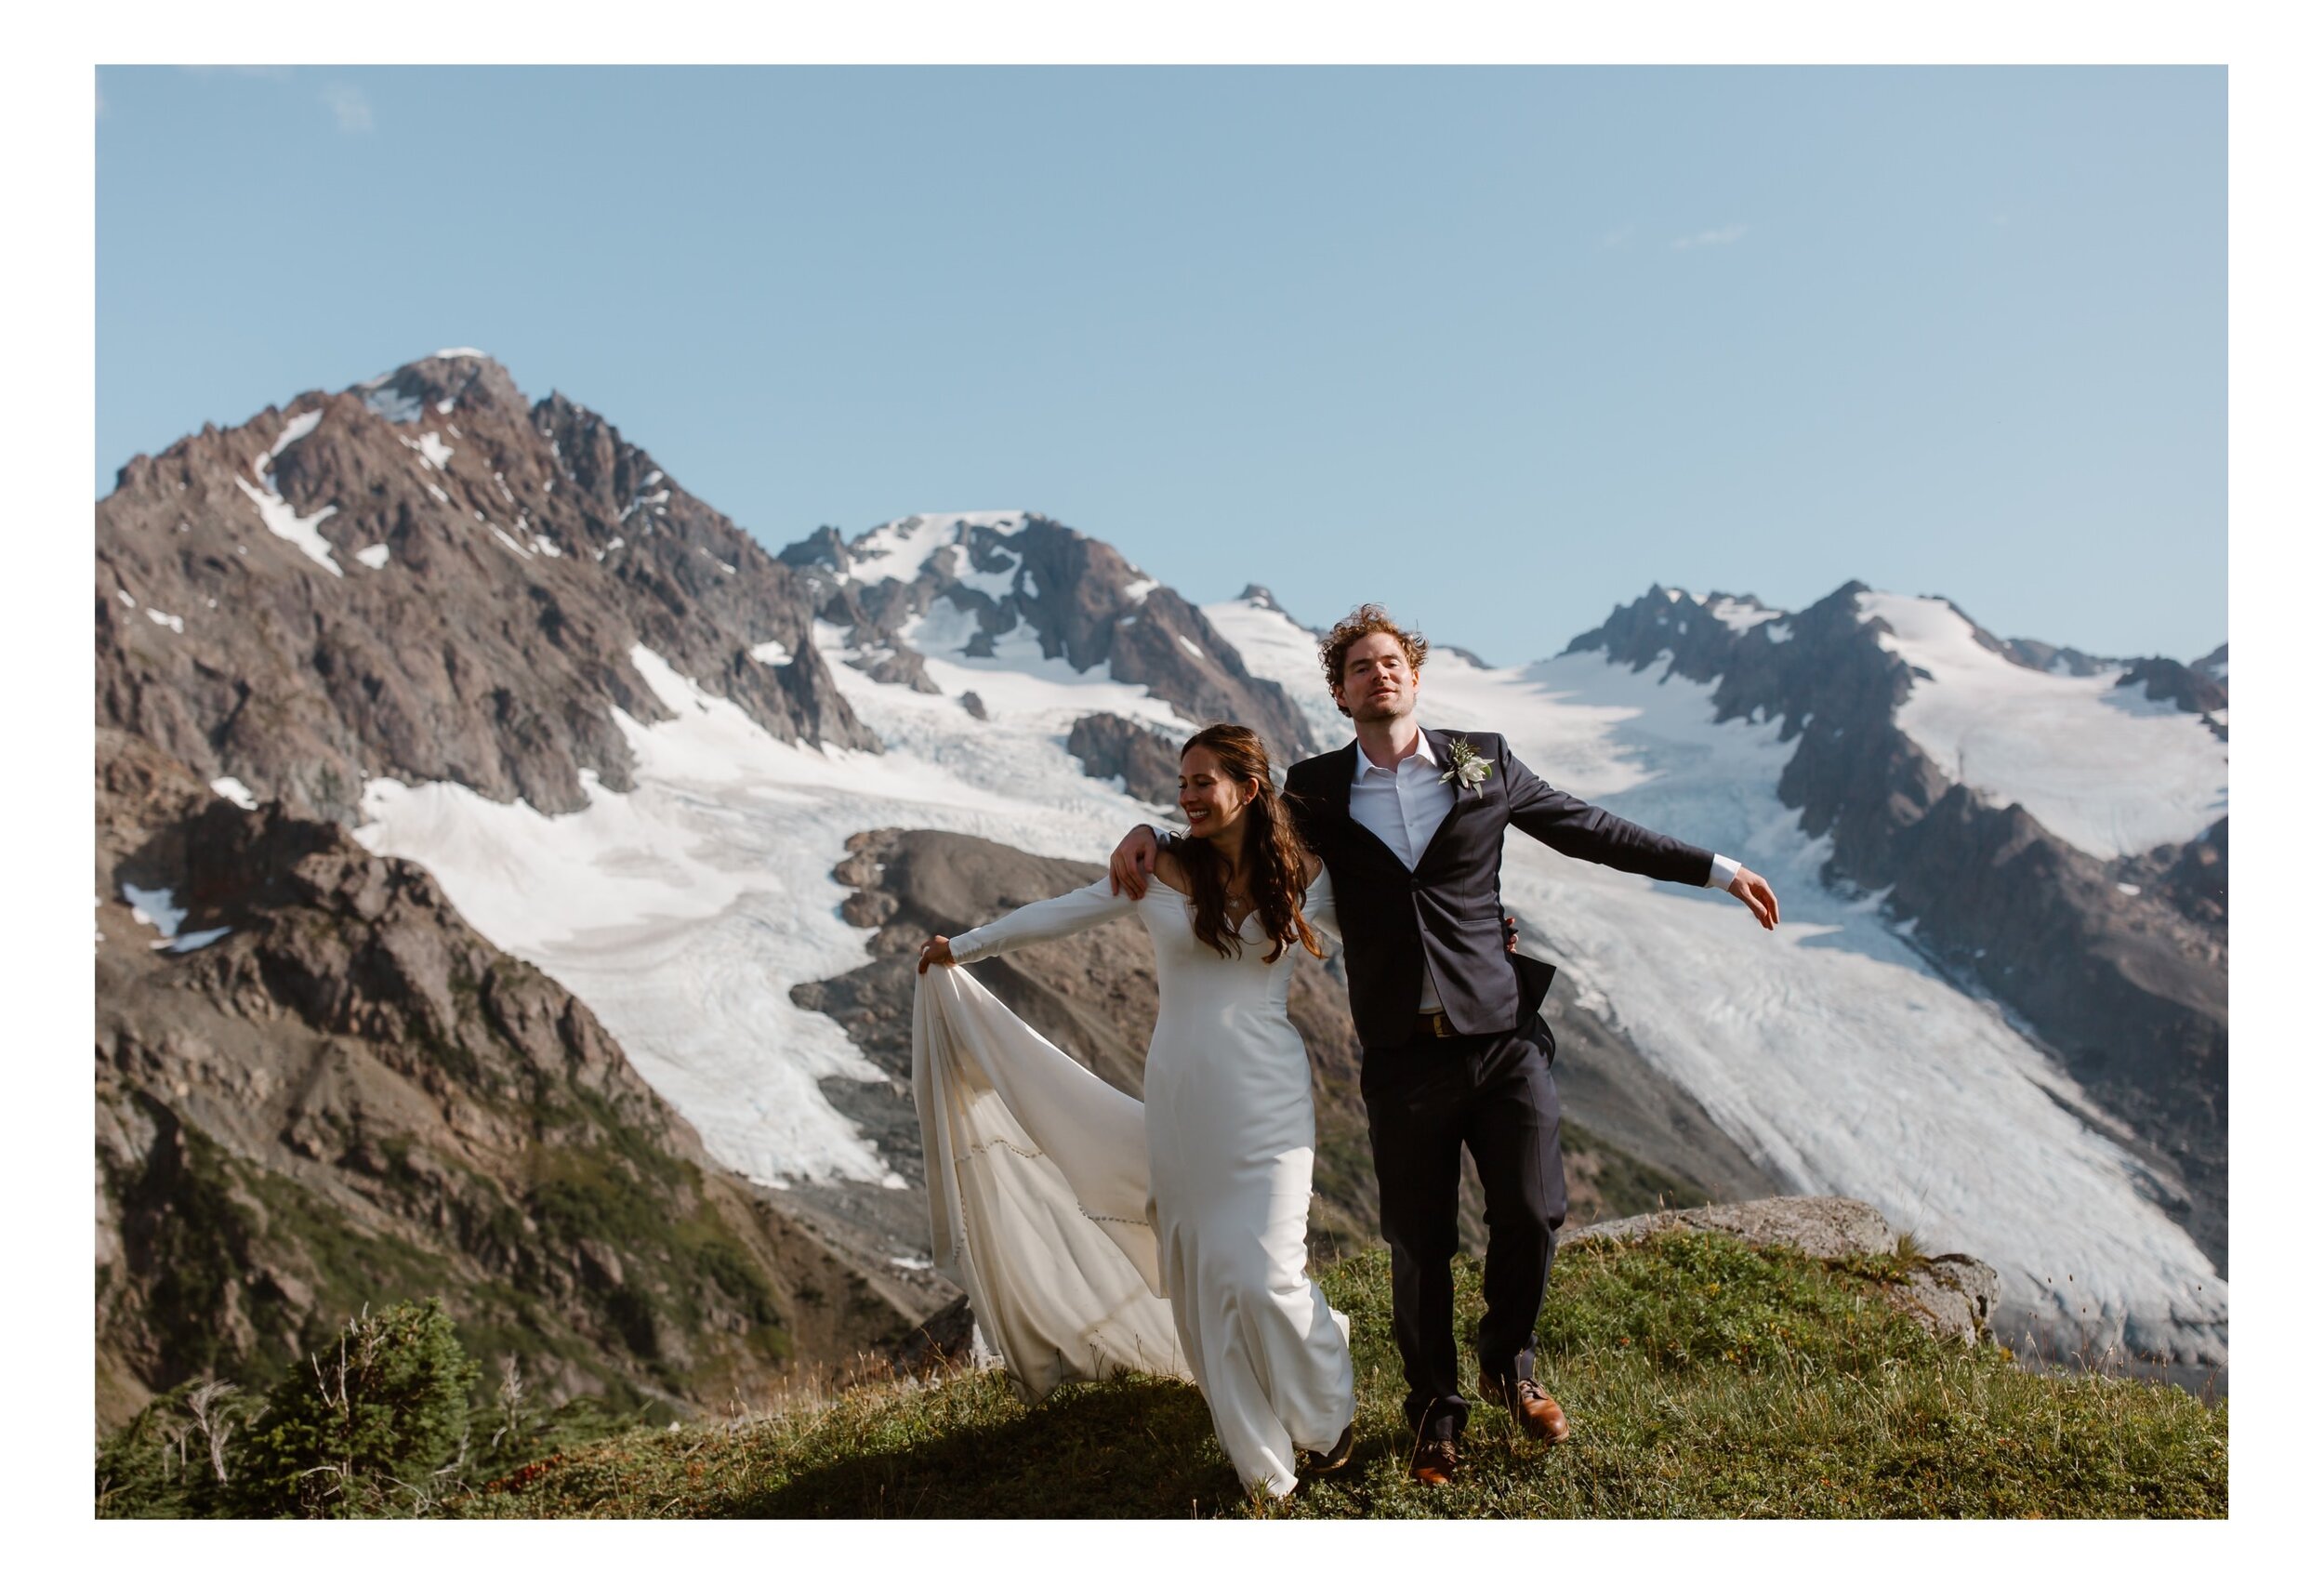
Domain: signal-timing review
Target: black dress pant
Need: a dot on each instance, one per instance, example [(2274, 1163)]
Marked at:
[(1423, 1102)]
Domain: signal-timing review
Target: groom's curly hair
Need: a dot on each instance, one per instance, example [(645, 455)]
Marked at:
[(1356, 624)]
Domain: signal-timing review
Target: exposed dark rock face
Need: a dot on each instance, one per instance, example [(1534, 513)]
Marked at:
[(2127, 984), (1074, 596), (496, 562), (1114, 746), (348, 1097), (2192, 877), (1636, 1140), (2038, 656), (2193, 691)]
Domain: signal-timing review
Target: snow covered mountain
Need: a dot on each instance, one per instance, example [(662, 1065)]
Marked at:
[(2007, 1033)]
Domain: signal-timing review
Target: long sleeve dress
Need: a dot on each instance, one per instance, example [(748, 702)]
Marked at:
[(1070, 1212)]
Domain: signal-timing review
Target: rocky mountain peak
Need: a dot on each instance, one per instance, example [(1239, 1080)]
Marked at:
[(426, 577), (987, 586), (1702, 639), (440, 385)]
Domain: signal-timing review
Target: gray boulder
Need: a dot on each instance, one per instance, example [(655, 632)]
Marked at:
[(1952, 1295)]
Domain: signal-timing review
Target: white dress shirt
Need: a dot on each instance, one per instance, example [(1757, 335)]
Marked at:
[(1405, 805)]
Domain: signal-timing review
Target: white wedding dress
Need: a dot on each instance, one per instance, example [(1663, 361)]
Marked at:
[(1093, 1233)]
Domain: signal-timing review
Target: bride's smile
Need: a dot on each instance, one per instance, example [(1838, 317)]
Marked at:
[(1211, 800)]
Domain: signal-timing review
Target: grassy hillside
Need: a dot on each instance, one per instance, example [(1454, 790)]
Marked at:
[(1703, 1378)]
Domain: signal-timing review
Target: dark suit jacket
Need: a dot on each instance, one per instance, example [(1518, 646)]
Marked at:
[(1446, 912)]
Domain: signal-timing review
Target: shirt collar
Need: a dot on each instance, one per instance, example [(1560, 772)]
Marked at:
[(1364, 765)]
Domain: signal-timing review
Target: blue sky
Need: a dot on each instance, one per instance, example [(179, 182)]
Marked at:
[(1500, 346)]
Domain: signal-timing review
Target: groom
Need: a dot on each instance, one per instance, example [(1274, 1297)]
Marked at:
[(1409, 820)]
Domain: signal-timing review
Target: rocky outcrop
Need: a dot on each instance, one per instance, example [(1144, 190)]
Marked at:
[(317, 1088), (1115, 746), (428, 578), (2164, 679), (1952, 1295)]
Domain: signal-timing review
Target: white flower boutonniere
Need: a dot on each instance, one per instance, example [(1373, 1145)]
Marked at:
[(1469, 767)]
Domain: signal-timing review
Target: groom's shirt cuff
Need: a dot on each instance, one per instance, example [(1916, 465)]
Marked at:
[(1723, 872)]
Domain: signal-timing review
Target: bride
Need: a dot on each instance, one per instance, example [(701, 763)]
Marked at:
[(1069, 1211)]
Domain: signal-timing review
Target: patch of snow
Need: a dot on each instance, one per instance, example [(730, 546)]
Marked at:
[(155, 906), (1274, 646), (996, 584), (506, 494), (726, 567), (439, 495), (654, 500), (460, 352), (392, 405), (1190, 647), (297, 430), (2125, 888), (283, 521), (901, 547), (1742, 617), (127, 598), (445, 406), (193, 939), (373, 556), (772, 653), (233, 792), (2106, 769), (501, 534), (163, 619), (434, 450), (1136, 592)]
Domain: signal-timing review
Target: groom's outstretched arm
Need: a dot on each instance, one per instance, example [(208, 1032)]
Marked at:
[(1584, 831)]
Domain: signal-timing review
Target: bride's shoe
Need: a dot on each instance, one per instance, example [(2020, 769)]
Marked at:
[(1342, 1451)]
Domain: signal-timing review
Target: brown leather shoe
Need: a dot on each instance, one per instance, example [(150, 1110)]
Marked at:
[(1433, 1463), (1534, 1411)]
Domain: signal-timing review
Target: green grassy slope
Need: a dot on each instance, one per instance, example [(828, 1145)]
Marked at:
[(1703, 1378)]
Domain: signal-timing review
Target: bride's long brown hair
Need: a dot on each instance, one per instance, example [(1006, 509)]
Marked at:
[(1273, 859)]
